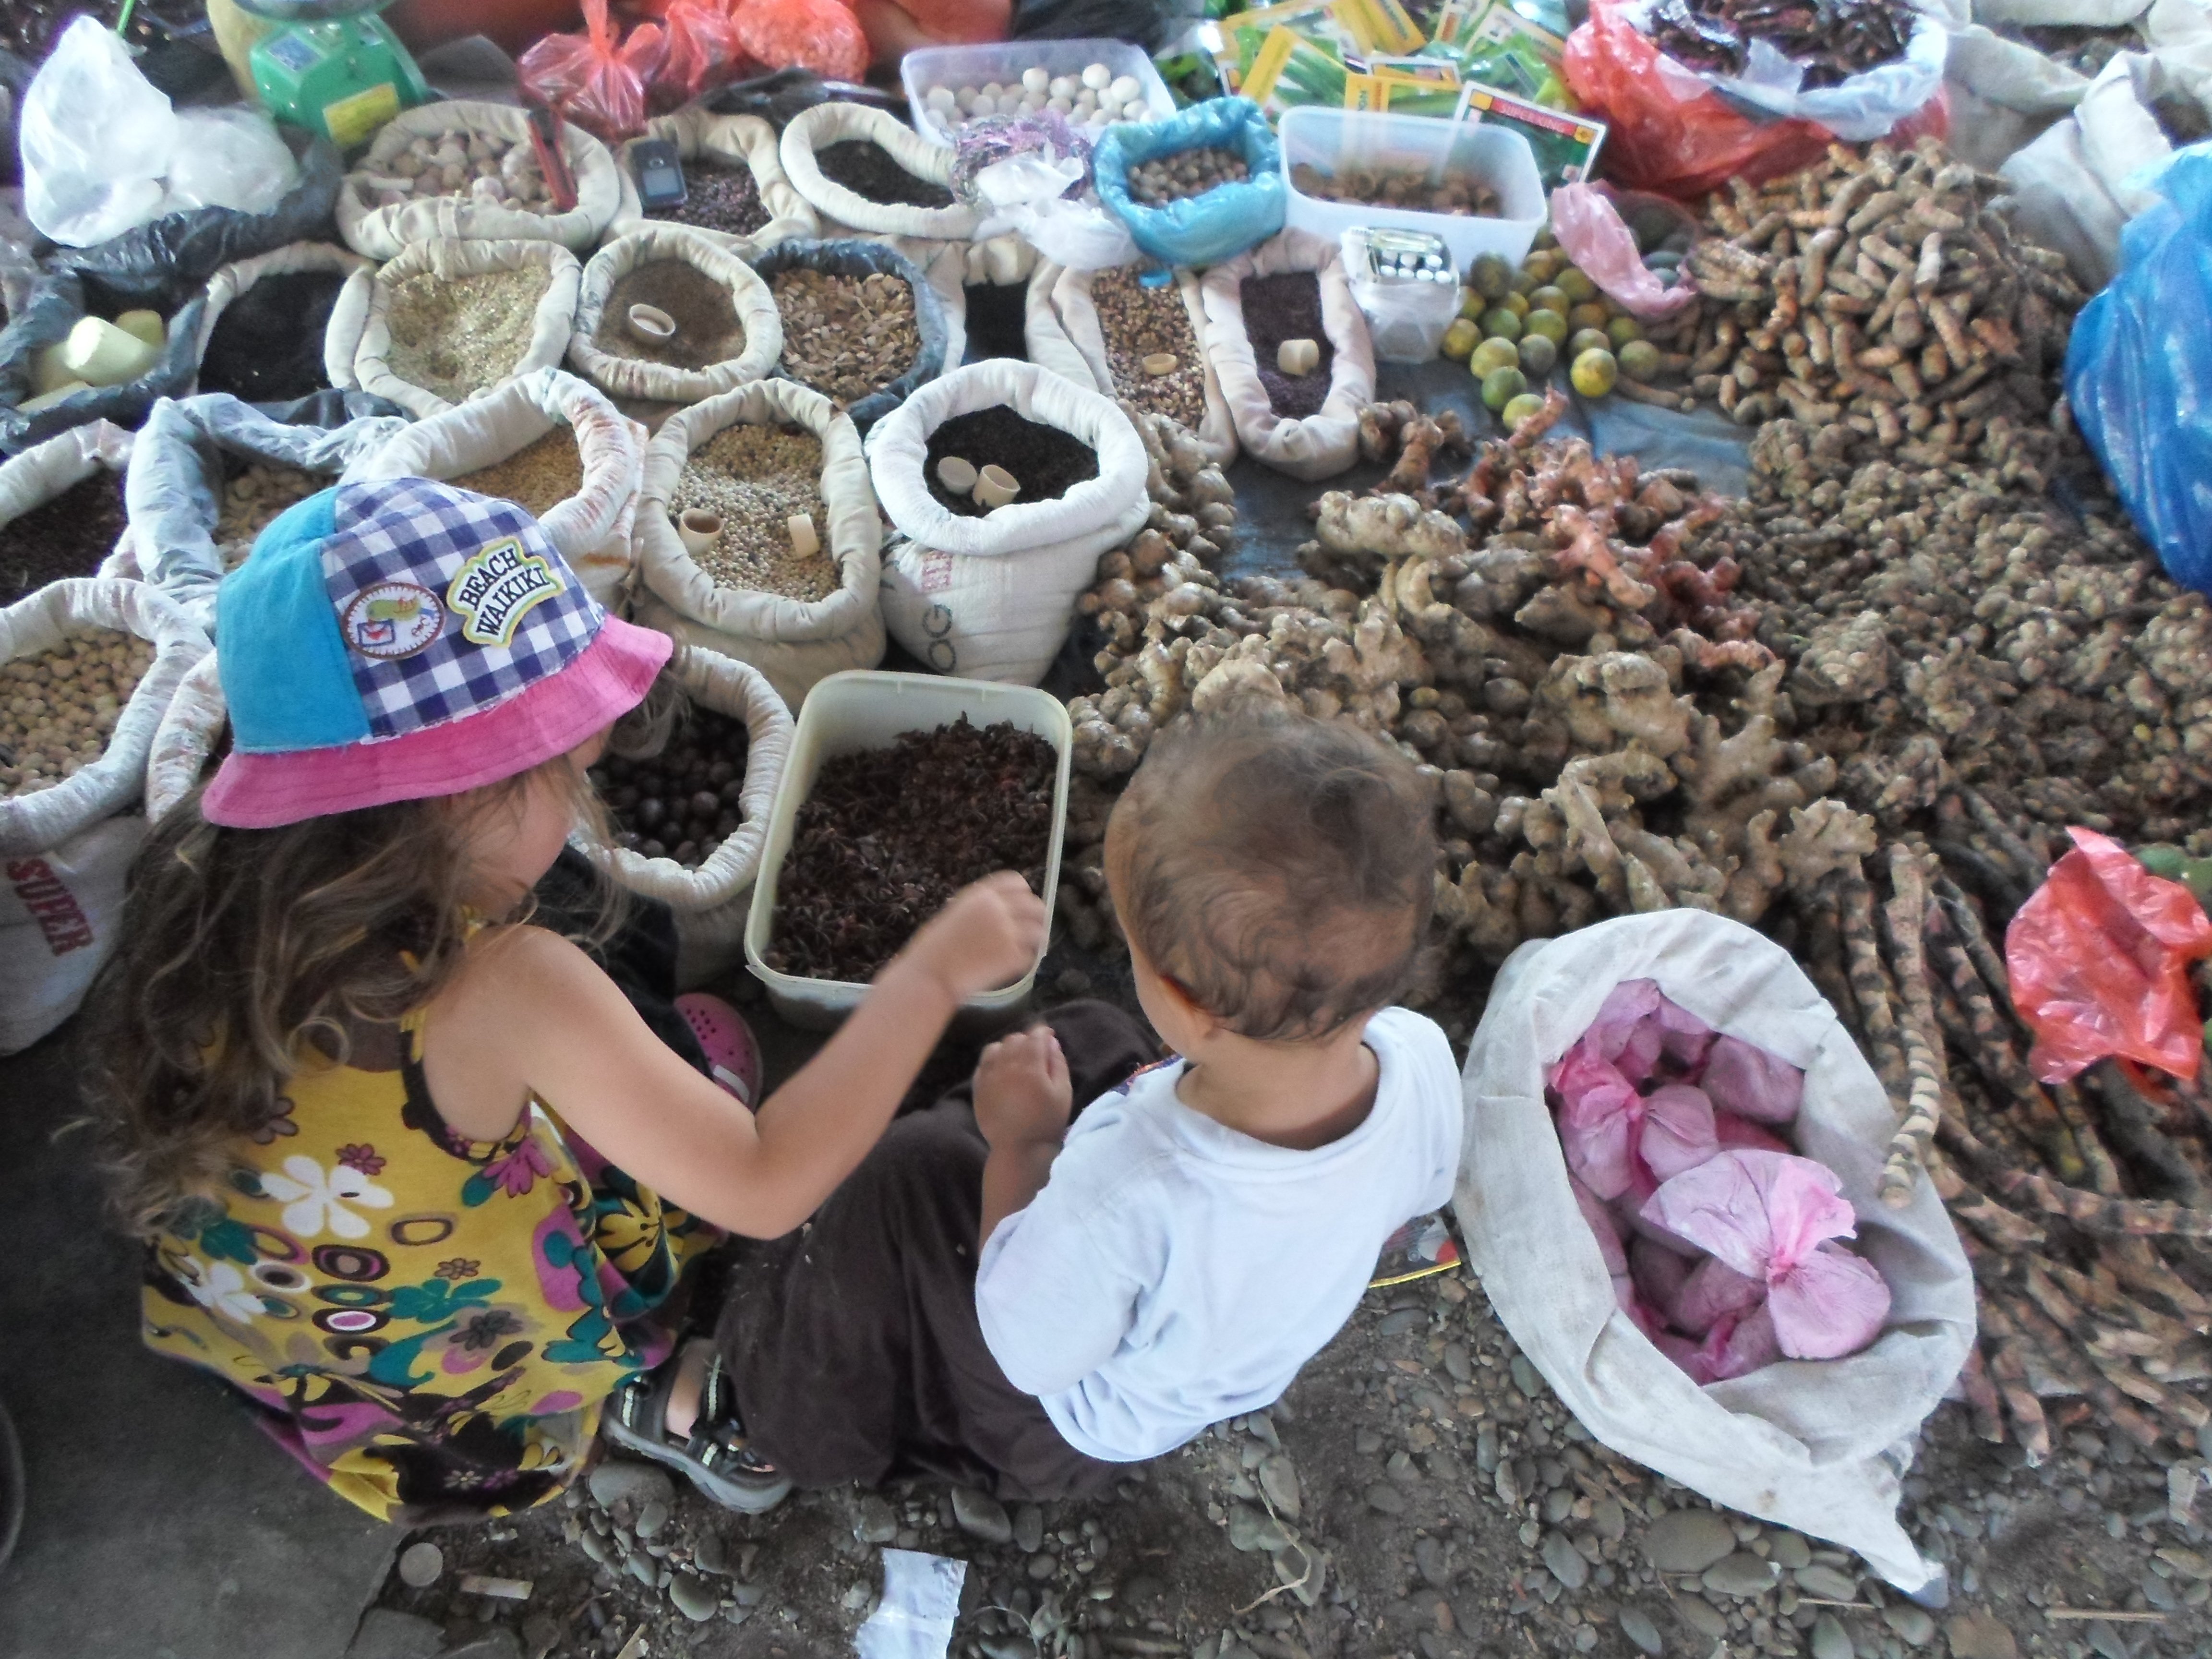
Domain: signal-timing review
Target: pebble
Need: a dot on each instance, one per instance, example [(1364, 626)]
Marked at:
[(1640, 1628), (1042, 1567), (1831, 1640), (420, 1566), (1249, 1530), (1028, 1529), (1827, 1583), (640, 1483), (2106, 1641), (2158, 1593), (645, 1571), (711, 1553), (1405, 1319), (1430, 1562), (1278, 1478), (595, 1546), (1702, 1616), (1741, 1574), (981, 1515), (1910, 1622), (1526, 1376), (879, 1522), (652, 1518), (1565, 1561), (1386, 1498), (1973, 1636), (693, 1597), (1690, 1541), (1791, 1551)]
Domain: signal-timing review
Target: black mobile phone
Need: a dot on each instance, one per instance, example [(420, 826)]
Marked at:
[(659, 171)]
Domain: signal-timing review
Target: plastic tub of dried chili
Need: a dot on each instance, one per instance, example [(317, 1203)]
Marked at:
[(816, 964)]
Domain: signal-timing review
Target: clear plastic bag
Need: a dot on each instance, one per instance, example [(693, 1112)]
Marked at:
[(596, 79), (229, 158), (97, 139)]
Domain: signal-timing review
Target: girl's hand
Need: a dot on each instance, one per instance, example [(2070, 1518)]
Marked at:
[(1022, 1090), (988, 936)]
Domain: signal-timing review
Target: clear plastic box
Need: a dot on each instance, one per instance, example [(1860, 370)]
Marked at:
[(1330, 139), (867, 708), (978, 66)]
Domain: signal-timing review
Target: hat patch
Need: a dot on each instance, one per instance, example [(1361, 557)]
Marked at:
[(390, 620), (496, 586)]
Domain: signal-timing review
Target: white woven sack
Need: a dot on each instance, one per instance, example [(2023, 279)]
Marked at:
[(65, 851), (636, 377), (346, 316), (382, 232), (1079, 321), (991, 597), (729, 140), (1321, 445), (1816, 1445), (945, 266), (593, 528), (45, 469), (842, 209), (192, 725), (794, 643), (551, 327), (1047, 342)]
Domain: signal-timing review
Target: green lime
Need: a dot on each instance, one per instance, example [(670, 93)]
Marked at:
[(1639, 360), (1549, 323), (1621, 330), (1526, 281), (1492, 355), (1594, 375), (1491, 277), (1587, 339), (1541, 265), (1588, 316), (1471, 304), (1538, 354), (1574, 282), (1515, 303), (1549, 299), (1461, 337), (1520, 411), (1502, 385), (1501, 324)]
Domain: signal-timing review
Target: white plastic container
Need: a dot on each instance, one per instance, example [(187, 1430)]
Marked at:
[(955, 67), (1331, 139), (867, 708)]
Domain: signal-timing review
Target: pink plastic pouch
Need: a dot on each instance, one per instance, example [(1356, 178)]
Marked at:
[(1590, 231), (1608, 1242), (1659, 1273), (820, 35), (702, 43), (1744, 1078), (596, 79), (1713, 1291), (1744, 1135), (1739, 1343), (1678, 1130)]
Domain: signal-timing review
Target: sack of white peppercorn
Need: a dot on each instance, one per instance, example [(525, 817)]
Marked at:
[(1309, 432), (757, 458), (549, 443), (712, 295), (448, 321), (73, 747), (807, 351), (990, 595), (61, 508), (379, 218), (1818, 1445), (1146, 346), (733, 171), (884, 156), (1218, 220), (354, 279), (56, 304)]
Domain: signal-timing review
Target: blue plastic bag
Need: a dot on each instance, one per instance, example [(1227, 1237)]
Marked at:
[(2139, 376), (1199, 230)]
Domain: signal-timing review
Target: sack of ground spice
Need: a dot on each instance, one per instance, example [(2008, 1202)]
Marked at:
[(272, 322), (863, 169), (551, 444), (725, 330), (733, 180), (862, 325), (56, 304), (448, 321), (1291, 286), (988, 594), (61, 508), (87, 667), (422, 180), (1804, 1445), (1143, 345), (756, 459), (1197, 188)]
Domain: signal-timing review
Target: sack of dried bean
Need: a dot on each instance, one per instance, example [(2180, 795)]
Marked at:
[(1213, 212), (87, 667), (547, 441), (1307, 296), (757, 458), (56, 302), (734, 175), (61, 508), (300, 337), (863, 169), (1145, 346), (398, 195), (990, 596), (867, 351), (1819, 1446), (727, 331), (448, 321)]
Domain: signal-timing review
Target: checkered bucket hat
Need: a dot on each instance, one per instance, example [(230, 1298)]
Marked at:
[(404, 639)]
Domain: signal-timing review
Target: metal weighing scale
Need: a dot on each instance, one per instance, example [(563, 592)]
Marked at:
[(332, 66)]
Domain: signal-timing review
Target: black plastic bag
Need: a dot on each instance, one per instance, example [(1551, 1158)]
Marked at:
[(852, 257), (780, 97), (56, 303)]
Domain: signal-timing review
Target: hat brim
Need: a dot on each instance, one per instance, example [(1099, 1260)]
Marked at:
[(607, 679)]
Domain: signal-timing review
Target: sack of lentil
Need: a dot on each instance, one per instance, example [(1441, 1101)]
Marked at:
[(1219, 191), (448, 321), (726, 330), (61, 508), (863, 169), (56, 304), (87, 667), (755, 458), (398, 195), (551, 444), (867, 348), (736, 190), (1291, 287), (989, 594), (283, 342), (1125, 332)]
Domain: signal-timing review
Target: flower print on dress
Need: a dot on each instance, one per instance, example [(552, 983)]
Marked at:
[(279, 1124), (315, 1201), (220, 1288), (459, 1268), (362, 1157), (513, 1175)]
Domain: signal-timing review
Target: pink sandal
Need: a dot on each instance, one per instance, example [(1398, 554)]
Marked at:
[(733, 1058)]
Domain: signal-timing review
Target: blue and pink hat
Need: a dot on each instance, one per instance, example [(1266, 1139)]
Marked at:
[(401, 640)]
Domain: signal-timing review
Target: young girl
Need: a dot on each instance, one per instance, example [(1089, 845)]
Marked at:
[(414, 1175)]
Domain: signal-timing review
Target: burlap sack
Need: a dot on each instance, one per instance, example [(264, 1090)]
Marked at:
[(553, 325)]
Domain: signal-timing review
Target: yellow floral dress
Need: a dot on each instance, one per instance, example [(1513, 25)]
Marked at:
[(430, 1323)]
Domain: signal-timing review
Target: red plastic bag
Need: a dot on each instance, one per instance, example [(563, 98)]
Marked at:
[(2100, 960), (703, 43), (596, 79), (820, 35)]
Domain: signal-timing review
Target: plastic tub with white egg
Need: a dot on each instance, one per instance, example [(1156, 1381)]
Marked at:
[(951, 70), (1331, 140)]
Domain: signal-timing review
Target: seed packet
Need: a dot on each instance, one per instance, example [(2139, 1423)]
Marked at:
[(1566, 146)]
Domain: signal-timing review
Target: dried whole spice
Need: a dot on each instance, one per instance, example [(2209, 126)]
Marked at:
[(1287, 307), (1408, 188), (681, 803), (708, 330), (456, 335), (845, 336), (1187, 172), (68, 536), (267, 346), (254, 497), (756, 479), (500, 171), (57, 708), (868, 169), (1833, 40), (886, 836), (1045, 461), (717, 197), (1137, 322), (538, 477)]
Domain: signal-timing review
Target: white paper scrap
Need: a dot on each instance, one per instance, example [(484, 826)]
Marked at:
[(921, 1602)]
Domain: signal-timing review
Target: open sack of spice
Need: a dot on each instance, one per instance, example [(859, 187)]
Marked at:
[(863, 325), (1143, 343), (280, 325), (1816, 1444), (735, 190), (61, 508), (863, 169), (448, 321), (665, 314)]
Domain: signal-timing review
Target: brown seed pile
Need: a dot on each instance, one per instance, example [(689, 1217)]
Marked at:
[(1397, 187), (886, 836), (717, 198), (1138, 322), (681, 803), (538, 477), (67, 537), (1187, 172), (252, 499), (757, 478), (845, 336), (496, 171), (456, 335), (708, 330), (868, 169), (57, 708)]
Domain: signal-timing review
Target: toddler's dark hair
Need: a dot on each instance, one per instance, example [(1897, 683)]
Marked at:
[(1280, 869)]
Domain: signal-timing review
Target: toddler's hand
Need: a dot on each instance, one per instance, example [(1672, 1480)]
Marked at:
[(988, 936), (1022, 1090)]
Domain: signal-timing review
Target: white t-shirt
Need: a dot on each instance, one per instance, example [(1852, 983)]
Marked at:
[(1173, 1272)]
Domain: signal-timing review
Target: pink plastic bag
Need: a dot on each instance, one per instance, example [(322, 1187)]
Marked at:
[(1744, 1078), (1744, 1135), (1769, 1215), (596, 79), (702, 43), (1608, 1242), (1659, 1273), (1712, 1291), (820, 35), (1678, 1130), (1739, 1343), (1592, 235)]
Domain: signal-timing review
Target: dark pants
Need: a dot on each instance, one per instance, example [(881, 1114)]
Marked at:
[(852, 1344)]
